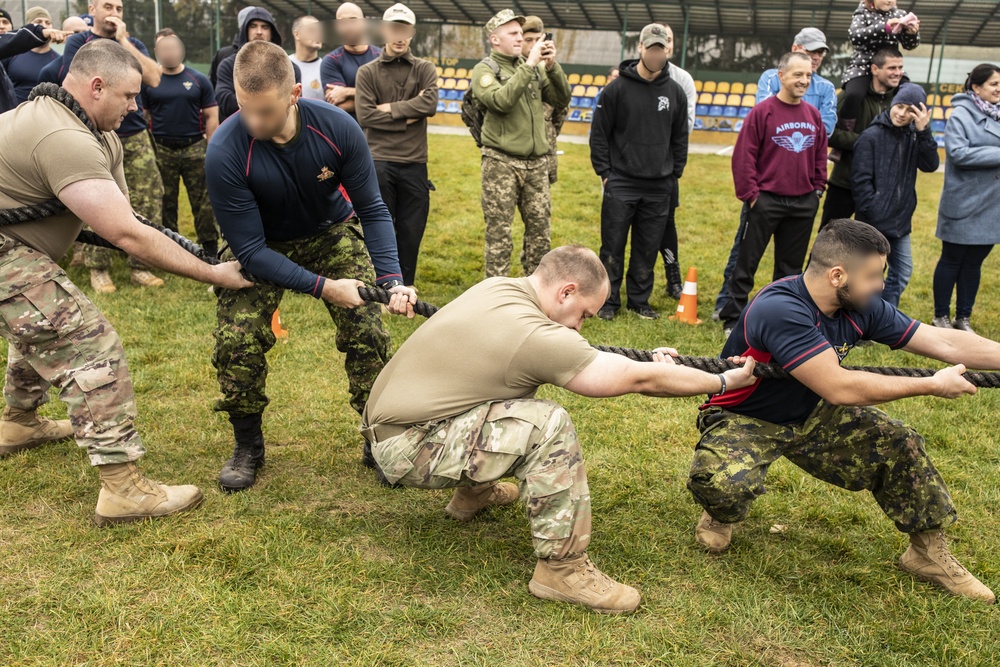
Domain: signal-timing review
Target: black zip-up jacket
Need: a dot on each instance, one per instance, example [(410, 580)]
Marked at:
[(639, 130)]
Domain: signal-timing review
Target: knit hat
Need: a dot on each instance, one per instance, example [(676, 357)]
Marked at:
[(910, 94), (37, 13), (6, 15)]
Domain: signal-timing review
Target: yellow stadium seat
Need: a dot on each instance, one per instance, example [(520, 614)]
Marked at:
[(440, 82), (751, 89), (709, 87), (722, 87), (578, 90), (698, 85), (719, 99), (937, 113), (448, 72), (587, 79), (734, 100), (573, 78), (462, 84), (947, 101), (600, 80), (439, 69), (591, 91), (449, 84), (749, 101), (462, 73), (933, 100), (737, 88), (705, 98)]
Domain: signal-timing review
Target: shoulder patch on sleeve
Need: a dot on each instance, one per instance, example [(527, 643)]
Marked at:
[(486, 80)]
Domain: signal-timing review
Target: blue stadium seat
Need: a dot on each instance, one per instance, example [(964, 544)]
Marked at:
[(699, 123), (744, 112), (574, 102), (938, 125), (441, 106), (715, 110), (453, 107), (730, 112), (701, 110), (586, 103), (442, 94)]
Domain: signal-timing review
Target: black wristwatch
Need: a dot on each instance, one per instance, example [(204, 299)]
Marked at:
[(389, 284)]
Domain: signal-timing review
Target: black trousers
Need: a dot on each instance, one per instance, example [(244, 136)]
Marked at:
[(631, 206), (668, 246), (790, 221), (839, 203), (406, 192)]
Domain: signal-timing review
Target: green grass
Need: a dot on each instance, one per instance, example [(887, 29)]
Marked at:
[(317, 565)]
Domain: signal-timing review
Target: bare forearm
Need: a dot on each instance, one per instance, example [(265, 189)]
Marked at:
[(669, 380), (860, 388), (152, 247), (150, 69), (962, 347)]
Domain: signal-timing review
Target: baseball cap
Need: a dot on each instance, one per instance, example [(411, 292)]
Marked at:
[(654, 33), (502, 17), (811, 39), (533, 24), (400, 13)]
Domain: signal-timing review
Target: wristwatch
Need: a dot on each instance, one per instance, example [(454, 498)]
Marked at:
[(389, 284)]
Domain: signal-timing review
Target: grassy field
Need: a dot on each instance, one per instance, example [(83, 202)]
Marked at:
[(317, 565)]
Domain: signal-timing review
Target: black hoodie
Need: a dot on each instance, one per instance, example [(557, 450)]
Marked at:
[(225, 92), (639, 130)]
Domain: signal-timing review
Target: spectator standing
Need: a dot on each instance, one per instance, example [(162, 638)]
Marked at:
[(307, 32), (339, 70)]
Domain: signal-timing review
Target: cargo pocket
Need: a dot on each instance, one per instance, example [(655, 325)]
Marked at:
[(97, 385), (55, 312), (395, 455), (549, 502)]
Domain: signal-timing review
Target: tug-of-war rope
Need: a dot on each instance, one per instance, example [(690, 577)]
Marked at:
[(379, 295)]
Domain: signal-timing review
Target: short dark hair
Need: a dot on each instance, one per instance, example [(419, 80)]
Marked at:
[(166, 32), (573, 262), (105, 58), (979, 75), (261, 67), (787, 59), (884, 54), (844, 239)]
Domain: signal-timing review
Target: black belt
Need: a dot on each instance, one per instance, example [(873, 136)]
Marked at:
[(176, 143)]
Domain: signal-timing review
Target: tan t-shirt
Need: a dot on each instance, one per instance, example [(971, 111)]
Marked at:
[(43, 148), (490, 344)]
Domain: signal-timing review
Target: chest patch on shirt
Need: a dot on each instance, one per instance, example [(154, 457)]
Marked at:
[(324, 174), (662, 103), (187, 85)]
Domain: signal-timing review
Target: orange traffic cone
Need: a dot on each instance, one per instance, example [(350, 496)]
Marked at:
[(280, 332), (687, 307)]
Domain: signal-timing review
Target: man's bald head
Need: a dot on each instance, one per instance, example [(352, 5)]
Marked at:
[(349, 10), (74, 24), (103, 58)]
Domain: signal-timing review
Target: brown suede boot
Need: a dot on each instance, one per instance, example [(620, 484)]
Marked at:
[(468, 501), (713, 535), (929, 559), (101, 282), (23, 429), (142, 278), (578, 581), (127, 495)]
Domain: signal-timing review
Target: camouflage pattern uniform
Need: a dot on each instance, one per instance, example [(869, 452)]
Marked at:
[(145, 191), (187, 163), (243, 334), (57, 337), (509, 183), (554, 119), (532, 440), (854, 448)]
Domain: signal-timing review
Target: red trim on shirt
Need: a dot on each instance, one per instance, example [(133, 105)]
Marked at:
[(249, 153), (854, 324), (325, 138), (905, 333), (807, 353)]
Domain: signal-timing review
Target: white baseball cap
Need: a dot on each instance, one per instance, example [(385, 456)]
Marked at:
[(400, 13)]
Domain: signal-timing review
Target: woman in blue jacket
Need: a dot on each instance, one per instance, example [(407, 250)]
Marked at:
[(887, 156), (968, 224)]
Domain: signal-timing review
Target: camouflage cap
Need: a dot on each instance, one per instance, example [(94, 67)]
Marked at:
[(654, 33), (533, 24), (502, 17)]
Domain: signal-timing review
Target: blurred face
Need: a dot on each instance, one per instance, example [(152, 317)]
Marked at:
[(858, 286), (259, 31), (264, 115), (74, 24), (795, 78), (884, 5), (815, 56), (890, 74), (42, 21), (507, 38), (169, 52), (397, 37), (654, 58), (613, 75), (5, 25), (902, 114), (104, 10), (528, 40), (114, 100), (352, 30), (573, 307), (310, 35), (989, 91)]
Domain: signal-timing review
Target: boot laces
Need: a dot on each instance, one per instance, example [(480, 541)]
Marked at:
[(242, 457), (947, 559), (599, 581)]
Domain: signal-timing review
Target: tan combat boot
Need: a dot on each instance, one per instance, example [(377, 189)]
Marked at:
[(127, 495), (929, 559), (101, 282), (468, 501), (713, 535), (143, 278), (578, 581), (23, 429)]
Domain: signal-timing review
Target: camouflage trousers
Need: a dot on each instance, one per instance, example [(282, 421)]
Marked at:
[(187, 163), (529, 439), (58, 338), (512, 183), (243, 333), (855, 448), (145, 191)]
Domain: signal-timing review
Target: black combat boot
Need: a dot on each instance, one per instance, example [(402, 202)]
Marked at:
[(675, 286), (240, 471)]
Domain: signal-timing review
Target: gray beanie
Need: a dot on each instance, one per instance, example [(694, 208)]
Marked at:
[(910, 93)]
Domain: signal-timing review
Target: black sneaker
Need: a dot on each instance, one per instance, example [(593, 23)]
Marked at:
[(645, 312), (240, 471), (607, 313)]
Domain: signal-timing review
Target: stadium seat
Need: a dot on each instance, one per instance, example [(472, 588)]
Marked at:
[(734, 100), (698, 85), (448, 72), (462, 73), (449, 84), (574, 116), (737, 88), (705, 98), (453, 107), (439, 69), (586, 102), (709, 87), (701, 110), (600, 80), (730, 112), (442, 93), (440, 82), (462, 84), (751, 89), (454, 94), (573, 78), (587, 79), (946, 102), (719, 99), (744, 112), (699, 124), (722, 87), (715, 110), (937, 113), (578, 90), (441, 106), (592, 91), (748, 101), (938, 125), (737, 126), (933, 100), (574, 102)]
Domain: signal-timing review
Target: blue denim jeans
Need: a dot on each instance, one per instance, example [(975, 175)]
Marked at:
[(900, 269)]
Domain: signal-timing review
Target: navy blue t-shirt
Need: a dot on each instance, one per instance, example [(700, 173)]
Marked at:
[(23, 70), (262, 191), (340, 67), (134, 122), (176, 104), (783, 325)]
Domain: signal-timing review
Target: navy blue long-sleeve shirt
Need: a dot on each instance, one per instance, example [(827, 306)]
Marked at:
[(262, 191)]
